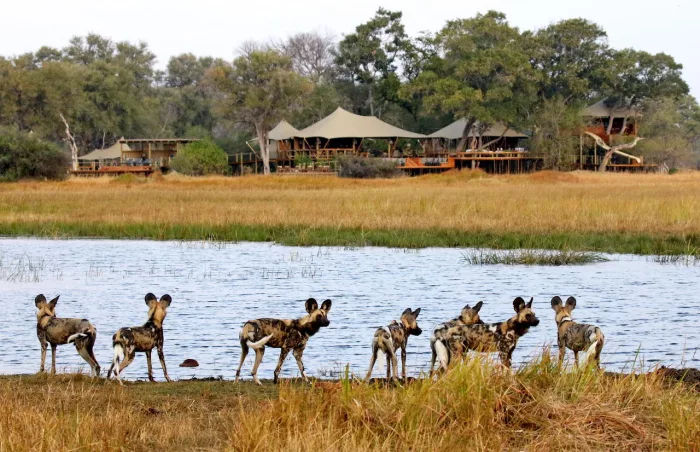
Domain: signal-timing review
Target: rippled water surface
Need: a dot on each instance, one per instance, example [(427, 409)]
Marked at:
[(640, 305)]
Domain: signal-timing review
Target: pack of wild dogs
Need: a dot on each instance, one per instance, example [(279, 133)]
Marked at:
[(449, 343)]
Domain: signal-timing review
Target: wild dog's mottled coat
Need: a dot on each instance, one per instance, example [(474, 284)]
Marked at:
[(287, 335), (56, 331), (501, 337), (392, 337), (127, 341), (468, 316), (576, 336)]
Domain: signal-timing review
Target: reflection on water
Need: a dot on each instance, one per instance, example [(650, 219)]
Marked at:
[(640, 305)]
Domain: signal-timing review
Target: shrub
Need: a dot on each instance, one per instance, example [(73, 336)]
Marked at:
[(23, 156), (367, 168), (200, 158)]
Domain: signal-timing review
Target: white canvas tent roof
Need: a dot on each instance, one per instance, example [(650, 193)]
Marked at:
[(601, 110), (110, 153), (454, 131), (343, 124), (283, 131)]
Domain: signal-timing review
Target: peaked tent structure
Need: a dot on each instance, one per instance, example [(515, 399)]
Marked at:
[(601, 110), (454, 131), (343, 124), (283, 131)]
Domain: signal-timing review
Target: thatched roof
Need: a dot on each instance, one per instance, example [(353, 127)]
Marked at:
[(110, 153), (454, 131), (601, 110), (343, 124)]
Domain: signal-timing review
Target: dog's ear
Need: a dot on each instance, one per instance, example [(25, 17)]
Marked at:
[(326, 305), (406, 311), (39, 299), (570, 304), (165, 300), (477, 307), (54, 302), (416, 312), (529, 303), (556, 303), (518, 304), (150, 299), (311, 305)]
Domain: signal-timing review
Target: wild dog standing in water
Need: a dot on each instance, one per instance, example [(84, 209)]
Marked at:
[(468, 316), (283, 334), (56, 331), (499, 337), (128, 341), (388, 339), (576, 336)]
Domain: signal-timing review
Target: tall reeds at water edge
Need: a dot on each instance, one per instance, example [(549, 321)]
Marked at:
[(629, 213), (476, 405)]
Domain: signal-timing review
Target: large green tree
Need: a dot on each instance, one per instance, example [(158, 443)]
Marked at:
[(258, 90), (483, 74)]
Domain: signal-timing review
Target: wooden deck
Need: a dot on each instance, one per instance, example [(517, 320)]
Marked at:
[(113, 171)]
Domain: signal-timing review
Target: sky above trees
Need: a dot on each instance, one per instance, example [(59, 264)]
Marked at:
[(218, 28)]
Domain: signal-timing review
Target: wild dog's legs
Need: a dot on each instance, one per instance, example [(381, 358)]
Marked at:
[(259, 352), (150, 366), (244, 353), (562, 352), (403, 363), (81, 347), (129, 354), (372, 360), (89, 347), (576, 358), (388, 365), (44, 346), (161, 357), (53, 358), (395, 363), (283, 355), (432, 357), (298, 353), (599, 349), (506, 357)]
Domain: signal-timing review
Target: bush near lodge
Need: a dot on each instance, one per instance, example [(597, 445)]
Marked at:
[(23, 156), (367, 168), (200, 158)]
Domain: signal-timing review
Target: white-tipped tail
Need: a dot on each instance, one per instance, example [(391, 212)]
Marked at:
[(75, 336), (118, 357), (260, 344), (443, 355)]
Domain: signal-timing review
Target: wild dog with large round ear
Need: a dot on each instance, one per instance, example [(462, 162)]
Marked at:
[(57, 331), (287, 335), (388, 339), (501, 337), (127, 341), (576, 336), (438, 341)]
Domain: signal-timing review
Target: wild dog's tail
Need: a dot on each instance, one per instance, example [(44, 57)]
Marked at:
[(442, 353), (76, 336), (260, 344), (597, 339), (385, 345)]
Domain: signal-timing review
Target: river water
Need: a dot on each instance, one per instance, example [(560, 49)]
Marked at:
[(648, 311)]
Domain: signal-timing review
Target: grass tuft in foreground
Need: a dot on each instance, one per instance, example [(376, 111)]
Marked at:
[(531, 257), (476, 405)]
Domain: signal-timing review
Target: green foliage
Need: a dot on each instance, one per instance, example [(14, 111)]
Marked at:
[(556, 137), (365, 168), (24, 156), (671, 128), (200, 158)]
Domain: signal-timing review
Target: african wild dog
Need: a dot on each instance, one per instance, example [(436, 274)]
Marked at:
[(283, 334), (576, 336), (499, 337), (127, 341), (56, 331), (388, 339), (468, 316)]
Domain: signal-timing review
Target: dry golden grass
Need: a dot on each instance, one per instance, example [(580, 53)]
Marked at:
[(544, 203), (475, 406)]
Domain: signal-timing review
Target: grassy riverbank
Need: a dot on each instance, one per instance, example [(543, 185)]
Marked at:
[(642, 214), (474, 406)]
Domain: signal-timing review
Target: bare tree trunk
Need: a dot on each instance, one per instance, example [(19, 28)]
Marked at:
[(371, 100), (71, 142), (611, 150), (263, 141), (465, 135), (489, 143), (610, 123)]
